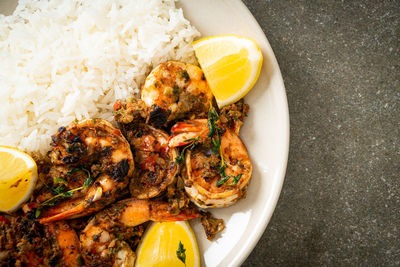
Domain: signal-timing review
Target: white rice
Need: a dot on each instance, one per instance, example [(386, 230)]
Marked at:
[(63, 60)]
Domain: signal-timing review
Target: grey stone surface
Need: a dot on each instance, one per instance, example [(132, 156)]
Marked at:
[(340, 204)]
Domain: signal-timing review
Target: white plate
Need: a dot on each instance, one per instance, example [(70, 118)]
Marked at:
[(265, 133)]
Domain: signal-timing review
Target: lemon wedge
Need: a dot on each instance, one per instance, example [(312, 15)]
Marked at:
[(231, 65), (18, 175), (166, 244)]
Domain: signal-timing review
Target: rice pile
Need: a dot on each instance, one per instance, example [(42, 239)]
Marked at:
[(63, 60)]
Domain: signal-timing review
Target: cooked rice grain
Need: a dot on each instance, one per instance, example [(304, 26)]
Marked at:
[(63, 60)]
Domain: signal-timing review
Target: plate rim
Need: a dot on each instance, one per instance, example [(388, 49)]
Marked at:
[(268, 211)]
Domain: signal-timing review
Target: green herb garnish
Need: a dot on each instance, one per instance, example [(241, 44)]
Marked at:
[(37, 212), (185, 75), (59, 180), (212, 120), (59, 191), (214, 133), (222, 180), (180, 253), (221, 170), (236, 179), (190, 146), (175, 89)]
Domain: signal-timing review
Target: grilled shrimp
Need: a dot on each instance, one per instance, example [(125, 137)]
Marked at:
[(209, 181), (92, 163), (104, 239), (175, 90), (155, 163), (68, 242), (25, 242)]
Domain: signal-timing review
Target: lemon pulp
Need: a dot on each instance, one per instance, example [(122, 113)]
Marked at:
[(231, 65), (160, 244), (18, 173)]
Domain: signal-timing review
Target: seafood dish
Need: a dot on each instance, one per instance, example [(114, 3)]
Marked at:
[(162, 151), (168, 159)]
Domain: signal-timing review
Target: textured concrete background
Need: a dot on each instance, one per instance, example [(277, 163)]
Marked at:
[(340, 204)]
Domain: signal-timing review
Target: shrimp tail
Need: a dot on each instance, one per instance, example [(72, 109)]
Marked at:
[(161, 213), (136, 212), (183, 133), (68, 214)]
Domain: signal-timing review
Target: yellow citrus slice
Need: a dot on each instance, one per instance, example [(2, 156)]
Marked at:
[(161, 247), (18, 175), (231, 65)]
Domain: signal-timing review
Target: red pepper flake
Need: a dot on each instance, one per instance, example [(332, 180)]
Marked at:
[(33, 205), (117, 105), (4, 219), (33, 259), (118, 132), (148, 164)]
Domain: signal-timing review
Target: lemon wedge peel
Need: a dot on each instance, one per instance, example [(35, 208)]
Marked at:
[(18, 176), (160, 243), (231, 65)]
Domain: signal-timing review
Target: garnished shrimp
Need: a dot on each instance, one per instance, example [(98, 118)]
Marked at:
[(217, 166), (175, 90), (155, 163), (94, 155), (104, 239)]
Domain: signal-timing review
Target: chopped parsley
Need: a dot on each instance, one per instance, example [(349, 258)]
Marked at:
[(215, 134), (175, 89), (185, 75), (60, 191), (190, 146), (212, 121), (37, 212), (236, 179), (59, 180), (180, 253)]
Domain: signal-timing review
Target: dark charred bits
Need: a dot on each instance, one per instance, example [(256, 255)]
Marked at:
[(61, 129), (76, 139), (107, 194), (211, 225), (54, 139), (185, 75), (70, 159), (157, 116), (75, 147), (121, 170), (96, 237), (53, 261), (139, 132), (150, 178), (106, 151), (175, 90)]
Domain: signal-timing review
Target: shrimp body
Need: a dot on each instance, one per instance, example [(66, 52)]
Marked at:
[(102, 240), (175, 90), (155, 163), (98, 149), (205, 183)]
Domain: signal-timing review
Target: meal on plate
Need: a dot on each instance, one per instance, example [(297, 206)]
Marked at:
[(124, 129)]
